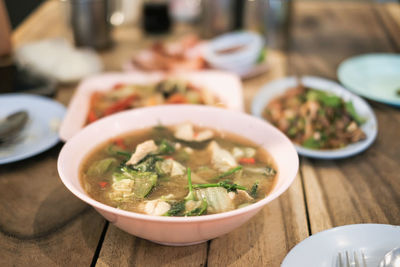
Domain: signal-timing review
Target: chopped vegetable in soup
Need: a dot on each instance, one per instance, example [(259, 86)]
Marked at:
[(315, 119), (178, 171), (128, 96)]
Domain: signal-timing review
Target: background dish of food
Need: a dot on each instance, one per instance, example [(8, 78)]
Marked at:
[(315, 119), (321, 249), (374, 76), (178, 230), (227, 87), (238, 52), (182, 54), (124, 96), (191, 53), (41, 131), (278, 87)]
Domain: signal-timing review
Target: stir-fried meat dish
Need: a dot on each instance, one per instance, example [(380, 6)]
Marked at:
[(315, 119)]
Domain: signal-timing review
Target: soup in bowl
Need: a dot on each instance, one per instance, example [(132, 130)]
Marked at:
[(178, 175)]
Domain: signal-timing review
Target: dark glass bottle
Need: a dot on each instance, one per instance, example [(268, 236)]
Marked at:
[(156, 18)]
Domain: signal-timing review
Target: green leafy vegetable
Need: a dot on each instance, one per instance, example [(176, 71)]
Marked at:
[(144, 181), (199, 210), (227, 173), (227, 184), (292, 131), (147, 164), (114, 150), (352, 112), (102, 166), (312, 143), (253, 191), (217, 199), (263, 54), (191, 195), (176, 209), (325, 98), (165, 147), (158, 167)]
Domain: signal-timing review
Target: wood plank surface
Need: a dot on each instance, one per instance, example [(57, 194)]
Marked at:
[(267, 238), (41, 222), (389, 14), (364, 188), (122, 249)]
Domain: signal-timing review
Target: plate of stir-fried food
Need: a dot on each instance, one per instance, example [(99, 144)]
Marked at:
[(106, 94), (319, 116)]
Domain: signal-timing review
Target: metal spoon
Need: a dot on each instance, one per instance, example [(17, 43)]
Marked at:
[(11, 126), (391, 259)]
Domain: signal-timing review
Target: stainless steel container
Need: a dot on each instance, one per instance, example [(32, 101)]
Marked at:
[(278, 23), (90, 23), (217, 17)]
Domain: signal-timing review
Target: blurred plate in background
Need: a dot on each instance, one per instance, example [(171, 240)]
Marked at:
[(321, 249), (374, 76), (41, 131)]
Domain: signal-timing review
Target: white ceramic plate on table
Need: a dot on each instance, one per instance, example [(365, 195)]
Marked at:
[(321, 249), (227, 87), (374, 76), (278, 87), (41, 131)]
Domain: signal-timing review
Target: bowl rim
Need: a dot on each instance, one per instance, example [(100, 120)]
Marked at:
[(164, 219)]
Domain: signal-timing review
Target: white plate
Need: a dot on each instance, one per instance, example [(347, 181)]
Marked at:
[(41, 131), (374, 76), (227, 87), (278, 87), (320, 249)]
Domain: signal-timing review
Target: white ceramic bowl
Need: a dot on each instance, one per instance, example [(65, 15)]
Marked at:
[(239, 61), (178, 230)]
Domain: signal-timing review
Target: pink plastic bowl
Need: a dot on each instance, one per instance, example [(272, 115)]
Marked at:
[(178, 230)]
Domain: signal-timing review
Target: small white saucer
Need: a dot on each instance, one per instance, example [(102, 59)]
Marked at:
[(41, 131), (321, 249)]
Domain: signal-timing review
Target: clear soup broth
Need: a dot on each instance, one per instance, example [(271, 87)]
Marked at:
[(181, 170)]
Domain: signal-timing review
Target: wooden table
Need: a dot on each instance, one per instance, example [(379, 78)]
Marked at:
[(42, 224)]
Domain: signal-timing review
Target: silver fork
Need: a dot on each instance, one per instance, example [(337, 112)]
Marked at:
[(346, 259)]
